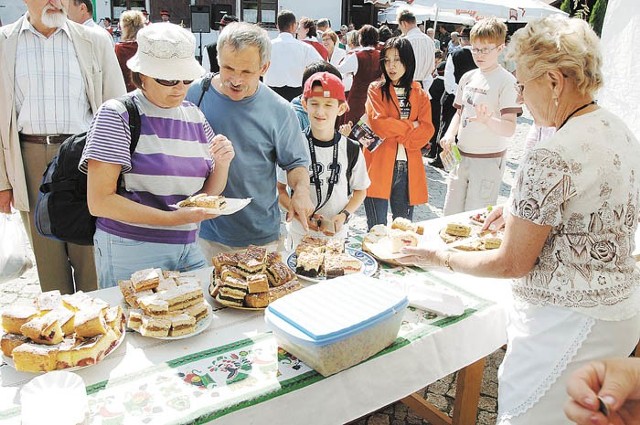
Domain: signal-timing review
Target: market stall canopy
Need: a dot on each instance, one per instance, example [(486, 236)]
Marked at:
[(508, 10), (423, 13)]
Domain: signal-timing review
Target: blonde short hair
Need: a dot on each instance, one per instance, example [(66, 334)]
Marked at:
[(332, 35), (131, 21), (568, 45), (490, 30)]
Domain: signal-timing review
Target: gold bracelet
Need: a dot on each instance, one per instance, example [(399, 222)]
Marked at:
[(447, 262)]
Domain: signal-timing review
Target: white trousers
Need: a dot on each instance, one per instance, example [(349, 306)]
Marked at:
[(474, 183)]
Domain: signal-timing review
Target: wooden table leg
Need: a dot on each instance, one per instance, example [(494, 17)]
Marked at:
[(465, 408), (468, 386)]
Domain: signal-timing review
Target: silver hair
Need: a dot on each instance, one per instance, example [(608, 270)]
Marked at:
[(239, 35)]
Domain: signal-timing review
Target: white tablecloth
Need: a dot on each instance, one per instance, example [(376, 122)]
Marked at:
[(337, 399)]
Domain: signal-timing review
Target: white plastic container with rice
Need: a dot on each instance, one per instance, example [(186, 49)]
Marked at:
[(339, 323)]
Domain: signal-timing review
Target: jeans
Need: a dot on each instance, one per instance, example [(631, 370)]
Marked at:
[(376, 208), (117, 258)]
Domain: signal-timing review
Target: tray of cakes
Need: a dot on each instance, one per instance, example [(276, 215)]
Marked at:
[(385, 243), (214, 204), (251, 279), (60, 332), (165, 304), (317, 259)]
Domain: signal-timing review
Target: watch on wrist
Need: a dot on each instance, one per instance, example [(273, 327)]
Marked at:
[(347, 215)]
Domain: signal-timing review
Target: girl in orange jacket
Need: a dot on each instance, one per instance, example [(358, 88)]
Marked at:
[(399, 111)]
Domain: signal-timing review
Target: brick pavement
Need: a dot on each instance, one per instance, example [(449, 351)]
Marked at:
[(441, 393)]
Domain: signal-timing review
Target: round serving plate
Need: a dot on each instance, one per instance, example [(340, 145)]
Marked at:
[(369, 264)]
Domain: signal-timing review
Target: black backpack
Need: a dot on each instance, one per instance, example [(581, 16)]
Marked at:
[(62, 212)]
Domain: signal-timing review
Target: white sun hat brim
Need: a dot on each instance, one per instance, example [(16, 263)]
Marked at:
[(166, 51)]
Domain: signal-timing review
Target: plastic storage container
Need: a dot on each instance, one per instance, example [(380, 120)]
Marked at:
[(336, 324)]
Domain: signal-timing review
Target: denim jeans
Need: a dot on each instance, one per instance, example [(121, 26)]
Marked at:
[(117, 258), (376, 208)]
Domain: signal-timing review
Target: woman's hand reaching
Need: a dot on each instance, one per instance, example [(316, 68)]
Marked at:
[(221, 150)]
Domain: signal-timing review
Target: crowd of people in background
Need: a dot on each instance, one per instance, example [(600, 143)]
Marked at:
[(275, 116)]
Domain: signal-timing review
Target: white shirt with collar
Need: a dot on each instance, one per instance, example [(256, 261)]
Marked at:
[(289, 58), (424, 51), (50, 91)]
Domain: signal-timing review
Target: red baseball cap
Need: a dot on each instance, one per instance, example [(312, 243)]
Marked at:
[(332, 87)]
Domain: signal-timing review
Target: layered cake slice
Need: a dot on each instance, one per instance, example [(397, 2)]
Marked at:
[(76, 301), (90, 323), (257, 283), (279, 274), (182, 324), (49, 300), (400, 239), (333, 266), (43, 330), (257, 300), (199, 311), (155, 326), (31, 357), (308, 264), (146, 279), (10, 341), (16, 316)]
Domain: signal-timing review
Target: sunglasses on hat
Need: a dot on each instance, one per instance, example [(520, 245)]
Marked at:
[(171, 83)]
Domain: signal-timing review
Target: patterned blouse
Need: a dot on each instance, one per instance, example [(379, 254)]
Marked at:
[(585, 183)]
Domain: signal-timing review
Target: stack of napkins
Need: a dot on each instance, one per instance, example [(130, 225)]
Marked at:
[(426, 297)]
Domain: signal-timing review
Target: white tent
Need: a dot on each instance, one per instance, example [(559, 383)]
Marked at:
[(508, 10), (621, 64), (423, 13)]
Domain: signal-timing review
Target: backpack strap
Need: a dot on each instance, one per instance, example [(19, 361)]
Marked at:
[(134, 120), (206, 83), (134, 127), (353, 150)]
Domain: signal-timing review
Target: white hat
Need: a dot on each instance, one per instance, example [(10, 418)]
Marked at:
[(166, 51)]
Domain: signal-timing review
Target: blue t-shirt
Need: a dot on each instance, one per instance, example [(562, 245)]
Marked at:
[(265, 132)]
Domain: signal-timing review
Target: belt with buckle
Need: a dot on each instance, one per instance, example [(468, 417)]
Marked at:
[(484, 155), (53, 139)]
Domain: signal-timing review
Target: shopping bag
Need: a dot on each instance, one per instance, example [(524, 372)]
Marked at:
[(14, 252), (450, 158)]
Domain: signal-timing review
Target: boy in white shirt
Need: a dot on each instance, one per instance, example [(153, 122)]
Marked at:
[(338, 173), (487, 106)]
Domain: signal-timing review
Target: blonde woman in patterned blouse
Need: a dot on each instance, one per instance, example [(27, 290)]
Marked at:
[(569, 230)]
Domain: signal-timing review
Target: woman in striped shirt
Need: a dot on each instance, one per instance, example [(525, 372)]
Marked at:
[(177, 155)]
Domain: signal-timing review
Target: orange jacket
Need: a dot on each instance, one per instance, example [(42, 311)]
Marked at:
[(384, 118)]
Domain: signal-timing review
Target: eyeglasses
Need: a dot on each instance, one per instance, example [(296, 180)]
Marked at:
[(484, 51), (171, 83), (520, 85)]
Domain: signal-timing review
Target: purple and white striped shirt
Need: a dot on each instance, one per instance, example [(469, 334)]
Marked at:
[(171, 161)]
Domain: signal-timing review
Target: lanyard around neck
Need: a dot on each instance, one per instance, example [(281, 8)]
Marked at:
[(335, 169)]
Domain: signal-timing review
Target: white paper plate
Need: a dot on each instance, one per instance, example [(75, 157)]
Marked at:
[(200, 327), (369, 264), (233, 206), (10, 362)]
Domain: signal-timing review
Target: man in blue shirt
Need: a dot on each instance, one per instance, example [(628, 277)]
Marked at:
[(266, 135)]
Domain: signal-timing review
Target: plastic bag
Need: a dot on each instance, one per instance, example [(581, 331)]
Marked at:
[(14, 253)]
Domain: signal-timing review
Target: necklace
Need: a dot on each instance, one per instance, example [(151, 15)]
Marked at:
[(593, 102)]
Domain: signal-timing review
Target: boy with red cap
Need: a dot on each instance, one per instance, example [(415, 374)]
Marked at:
[(338, 172)]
